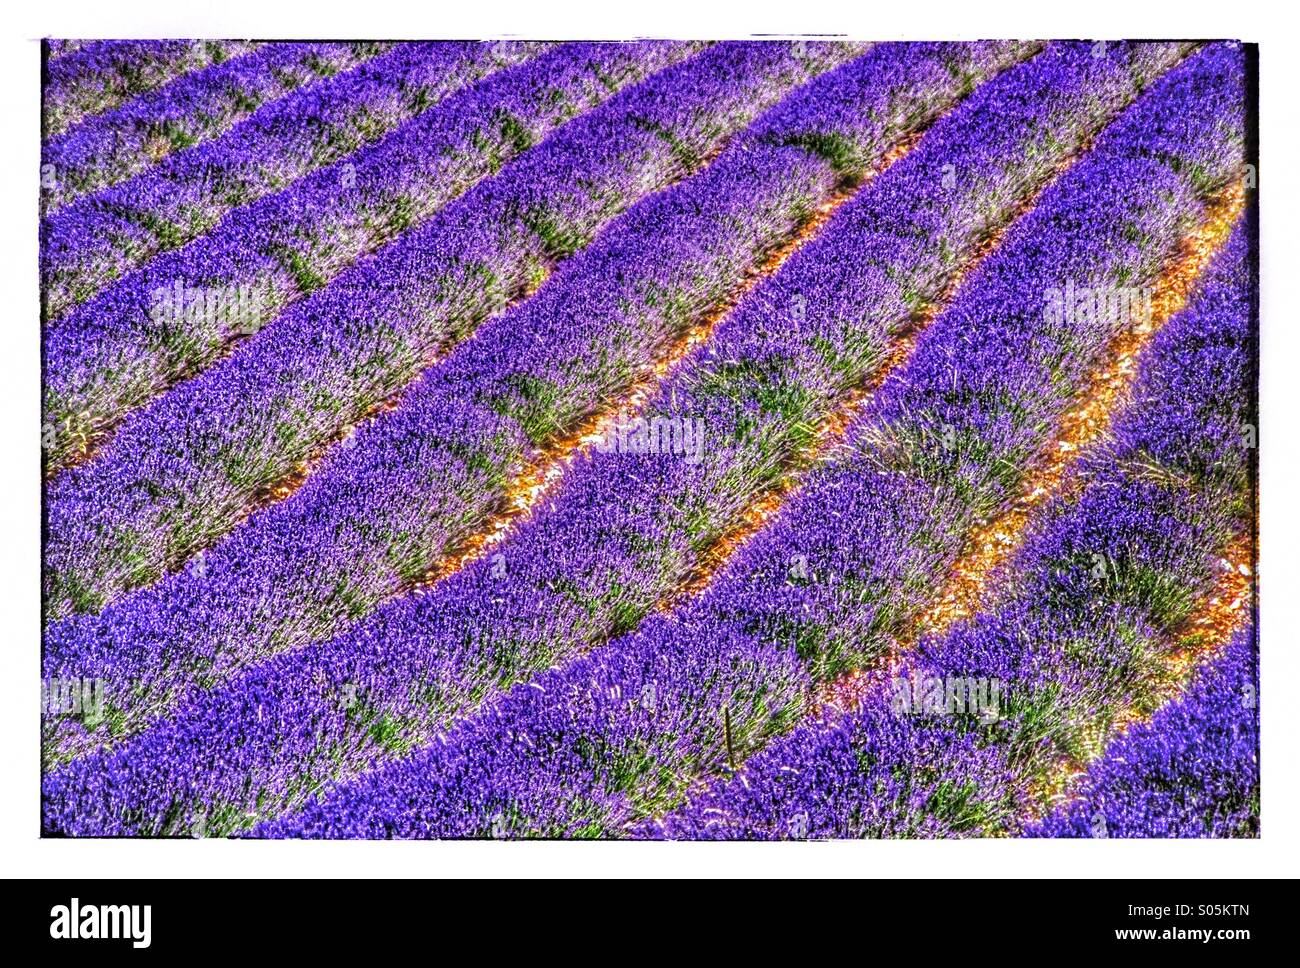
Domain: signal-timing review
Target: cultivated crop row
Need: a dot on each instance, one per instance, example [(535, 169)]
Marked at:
[(119, 349), (625, 731), (1192, 771), (89, 244)]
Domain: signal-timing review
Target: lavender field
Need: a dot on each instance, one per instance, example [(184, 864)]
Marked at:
[(753, 440)]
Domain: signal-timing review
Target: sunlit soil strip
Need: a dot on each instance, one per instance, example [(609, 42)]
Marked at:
[(992, 544), (87, 446), (1202, 637), (544, 472)]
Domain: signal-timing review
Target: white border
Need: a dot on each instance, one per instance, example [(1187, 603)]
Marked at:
[(26, 855)]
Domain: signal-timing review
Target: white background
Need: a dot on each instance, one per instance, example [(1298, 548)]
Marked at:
[(26, 854)]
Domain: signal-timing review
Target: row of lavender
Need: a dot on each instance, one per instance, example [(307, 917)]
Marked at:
[(1116, 562), (620, 735), (183, 471), (87, 245), (413, 484), (626, 527), (98, 76), (195, 108)]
